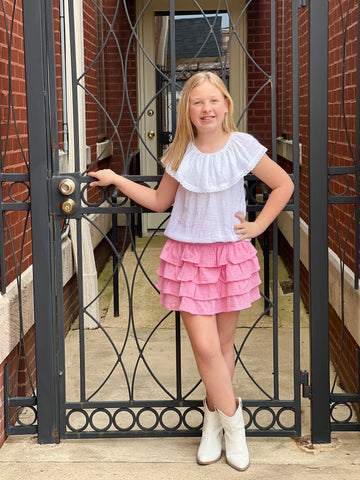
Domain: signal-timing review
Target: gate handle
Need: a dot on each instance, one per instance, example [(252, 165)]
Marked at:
[(67, 186)]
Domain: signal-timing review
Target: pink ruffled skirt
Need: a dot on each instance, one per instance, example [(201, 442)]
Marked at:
[(208, 278)]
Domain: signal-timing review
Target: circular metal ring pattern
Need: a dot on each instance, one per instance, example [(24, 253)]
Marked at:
[(281, 424), (142, 412), (248, 413), (162, 420), (262, 410), (100, 411), (192, 410), (12, 195), (75, 411), (127, 411), (21, 422), (346, 187), (92, 204), (347, 407)]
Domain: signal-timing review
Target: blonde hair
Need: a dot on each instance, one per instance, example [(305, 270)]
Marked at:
[(185, 130)]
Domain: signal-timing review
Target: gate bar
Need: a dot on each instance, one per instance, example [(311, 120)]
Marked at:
[(318, 221), (296, 211), (40, 68)]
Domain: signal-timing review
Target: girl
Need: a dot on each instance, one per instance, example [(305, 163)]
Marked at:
[(209, 268)]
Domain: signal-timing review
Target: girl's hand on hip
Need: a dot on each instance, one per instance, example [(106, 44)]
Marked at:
[(246, 230)]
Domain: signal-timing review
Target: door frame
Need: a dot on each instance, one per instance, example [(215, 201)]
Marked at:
[(146, 80)]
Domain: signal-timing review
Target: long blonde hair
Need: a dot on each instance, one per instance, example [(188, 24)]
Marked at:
[(185, 130)]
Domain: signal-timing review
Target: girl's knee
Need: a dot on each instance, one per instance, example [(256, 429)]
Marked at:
[(207, 351)]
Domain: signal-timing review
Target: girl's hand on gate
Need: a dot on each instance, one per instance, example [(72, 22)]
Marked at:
[(104, 177), (246, 230)]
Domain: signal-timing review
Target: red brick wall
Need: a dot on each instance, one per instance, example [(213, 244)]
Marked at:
[(16, 148), (284, 90), (345, 354), (14, 157), (14, 143), (341, 147), (303, 111), (259, 47), (120, 105), (117, 103), (19, 385), (90, 78), (58, 72), (343, 347), (342, 136)]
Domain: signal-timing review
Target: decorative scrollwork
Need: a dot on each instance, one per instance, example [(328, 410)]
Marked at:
[(173, 419), (127, 419)]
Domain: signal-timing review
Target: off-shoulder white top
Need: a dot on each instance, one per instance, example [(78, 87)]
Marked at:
[(211, 190)]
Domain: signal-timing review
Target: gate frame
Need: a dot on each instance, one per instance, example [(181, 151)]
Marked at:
[(318, 221), (42, 121), (43, 145)]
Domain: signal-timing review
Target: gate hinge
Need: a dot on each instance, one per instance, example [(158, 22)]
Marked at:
[(304, 380), (302, 3)]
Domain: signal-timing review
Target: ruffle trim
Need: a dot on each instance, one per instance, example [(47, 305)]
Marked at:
[(210, 307), (208, 278), (208, 255), (219, 290), (190, 272), (213, 172)]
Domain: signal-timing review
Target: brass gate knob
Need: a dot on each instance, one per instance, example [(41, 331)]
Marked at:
[(151, 134), (68, 206), (67, 186)]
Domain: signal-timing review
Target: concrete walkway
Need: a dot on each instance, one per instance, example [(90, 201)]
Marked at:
[(22, 458)]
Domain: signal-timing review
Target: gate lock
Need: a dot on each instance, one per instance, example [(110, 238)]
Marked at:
[(68, 206), (67, 187)]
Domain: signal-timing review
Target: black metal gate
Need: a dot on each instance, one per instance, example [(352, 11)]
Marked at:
[(114, 382)]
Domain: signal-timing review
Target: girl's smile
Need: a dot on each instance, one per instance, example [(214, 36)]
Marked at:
[(207, 108)]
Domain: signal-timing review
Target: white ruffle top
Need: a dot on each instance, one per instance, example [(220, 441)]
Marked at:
[(211, 190)]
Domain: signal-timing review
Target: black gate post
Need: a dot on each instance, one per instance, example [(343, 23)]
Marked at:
[(39, 58), (318, 220)]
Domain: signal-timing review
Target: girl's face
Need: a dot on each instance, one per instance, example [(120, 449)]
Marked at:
[(207, 108)]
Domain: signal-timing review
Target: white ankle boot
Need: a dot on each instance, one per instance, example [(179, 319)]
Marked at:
[(237, 454), (211, 440)]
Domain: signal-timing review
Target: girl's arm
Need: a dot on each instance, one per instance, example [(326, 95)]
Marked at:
[(282, 188), (158, 200)]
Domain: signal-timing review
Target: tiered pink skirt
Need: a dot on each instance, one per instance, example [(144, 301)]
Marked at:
[(208, 278)]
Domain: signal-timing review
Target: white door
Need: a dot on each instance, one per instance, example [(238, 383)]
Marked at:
[(207, 39)]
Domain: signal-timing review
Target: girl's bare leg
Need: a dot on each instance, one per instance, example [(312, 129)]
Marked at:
[(226, 325), (208, 343)]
